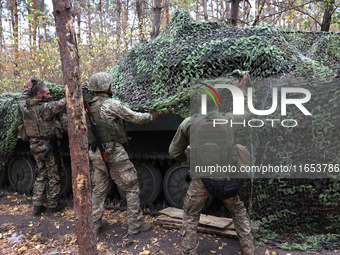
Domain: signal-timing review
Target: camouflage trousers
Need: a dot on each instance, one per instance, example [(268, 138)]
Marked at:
[(193, 204), (46, 172), (124, 175)]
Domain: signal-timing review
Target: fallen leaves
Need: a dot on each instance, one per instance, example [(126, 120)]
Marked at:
[(57, 225), (145, 252)]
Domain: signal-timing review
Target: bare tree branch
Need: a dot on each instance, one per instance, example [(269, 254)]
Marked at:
[(291, 8), (259, 13)]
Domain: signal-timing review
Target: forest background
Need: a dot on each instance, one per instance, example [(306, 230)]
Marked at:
[(106, 30)]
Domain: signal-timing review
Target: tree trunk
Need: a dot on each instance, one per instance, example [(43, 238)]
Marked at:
[(101, 29), (327, 15), (217, 9), (198, 13), (157, 12), (125, 23), (245, 11), (15, 24), (89, 25), (227, 10), (29, 11), (212, 9), (118, 28), (139, 4), (79, 18), (1, 34), (234, 12), (35, 22), (77, 131), (222, 10), (205, 12), (44, 18), (166, 10)]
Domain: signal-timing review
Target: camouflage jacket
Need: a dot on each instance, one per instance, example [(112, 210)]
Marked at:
[(47, 111), (111, 109)]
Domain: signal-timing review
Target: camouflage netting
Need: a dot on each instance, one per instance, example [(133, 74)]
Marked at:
[(157, 75)]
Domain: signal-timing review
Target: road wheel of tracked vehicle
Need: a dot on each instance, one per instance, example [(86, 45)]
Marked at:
[(174, 185), (21, 173), (65, 178), (3, 176), (150, 183)]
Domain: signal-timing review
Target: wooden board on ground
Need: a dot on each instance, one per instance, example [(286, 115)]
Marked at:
[(207, 220), (171, 223)]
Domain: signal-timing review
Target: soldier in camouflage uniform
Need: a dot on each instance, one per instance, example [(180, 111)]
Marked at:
[(35, 101), (197, 194), (108, 113)]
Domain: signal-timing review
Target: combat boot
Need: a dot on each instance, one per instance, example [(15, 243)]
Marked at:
[(145, 227), (193, 251), (248, 250), (58, 208), (100, 226), (38, 209)]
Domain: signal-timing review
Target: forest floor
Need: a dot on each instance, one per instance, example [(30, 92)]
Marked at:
[(23, 233)]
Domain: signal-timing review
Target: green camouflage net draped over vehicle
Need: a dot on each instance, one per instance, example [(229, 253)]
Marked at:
[(157, 75)]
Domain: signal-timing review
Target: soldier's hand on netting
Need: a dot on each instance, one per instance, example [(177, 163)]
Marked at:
[(242, 84), (157, 115), (83, 85)]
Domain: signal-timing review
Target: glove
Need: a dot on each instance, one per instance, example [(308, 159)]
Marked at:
[(157, 115)]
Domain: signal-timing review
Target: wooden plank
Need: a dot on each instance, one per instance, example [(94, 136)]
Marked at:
[(217, 222), (206, 230), (163, 219)]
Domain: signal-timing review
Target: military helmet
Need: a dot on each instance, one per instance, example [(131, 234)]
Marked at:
[(100, 82)]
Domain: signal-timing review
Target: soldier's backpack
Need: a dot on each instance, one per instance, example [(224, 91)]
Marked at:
[(212, 146)]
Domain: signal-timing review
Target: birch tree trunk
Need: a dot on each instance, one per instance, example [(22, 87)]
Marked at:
[(77, 130)]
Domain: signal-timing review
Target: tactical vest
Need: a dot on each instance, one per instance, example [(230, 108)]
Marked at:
[(109, 131), (31, 127)]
